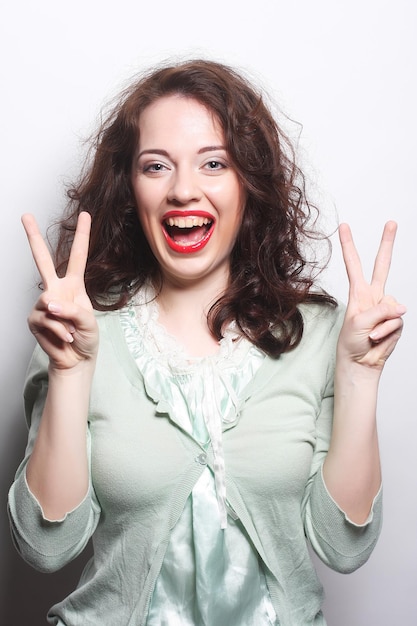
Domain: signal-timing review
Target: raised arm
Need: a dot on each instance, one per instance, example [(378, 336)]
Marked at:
[(371, 329), (64, 325)]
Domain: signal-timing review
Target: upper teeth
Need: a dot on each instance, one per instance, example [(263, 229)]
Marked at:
[(187, 222)]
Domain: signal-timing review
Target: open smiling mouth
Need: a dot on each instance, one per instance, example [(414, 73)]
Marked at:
[(187, 231)]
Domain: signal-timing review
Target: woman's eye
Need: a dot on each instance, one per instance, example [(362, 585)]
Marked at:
[(215, 165), (154, 167)]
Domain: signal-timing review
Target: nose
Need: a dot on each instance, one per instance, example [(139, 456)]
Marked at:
[(184, 186)]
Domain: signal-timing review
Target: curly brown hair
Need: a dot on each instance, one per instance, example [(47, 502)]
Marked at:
[(270, 275)]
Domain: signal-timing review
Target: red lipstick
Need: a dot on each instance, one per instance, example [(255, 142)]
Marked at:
[(187, 232)]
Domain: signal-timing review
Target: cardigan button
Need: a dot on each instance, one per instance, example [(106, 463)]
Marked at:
[(202, 459)]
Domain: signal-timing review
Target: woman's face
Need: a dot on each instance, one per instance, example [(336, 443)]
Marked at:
[(188, 195)]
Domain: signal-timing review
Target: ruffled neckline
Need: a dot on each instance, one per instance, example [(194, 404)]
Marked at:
[(210, 384), (164, 347)]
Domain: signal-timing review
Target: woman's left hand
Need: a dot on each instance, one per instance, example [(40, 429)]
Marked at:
[(373, 321)]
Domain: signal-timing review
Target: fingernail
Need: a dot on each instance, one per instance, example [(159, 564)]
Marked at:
[(401, 309), (53, 307), (69, 338)]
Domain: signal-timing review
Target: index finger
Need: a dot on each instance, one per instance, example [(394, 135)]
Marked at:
[(40, 250), (350, 254), (79, 249), (384, 255)]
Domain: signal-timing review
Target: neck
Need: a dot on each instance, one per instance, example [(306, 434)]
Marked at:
[(183, 312)]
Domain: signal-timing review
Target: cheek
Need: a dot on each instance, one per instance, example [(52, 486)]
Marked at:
[(239, 200), (230, 198), (143, 205), (142, 193), (144, 219), (149, 198)]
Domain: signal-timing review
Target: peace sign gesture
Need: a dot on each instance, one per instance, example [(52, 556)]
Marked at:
[(373, 321), (62, 319)]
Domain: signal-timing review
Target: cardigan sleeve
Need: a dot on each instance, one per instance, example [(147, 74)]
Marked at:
[(46, 545), (339, 542)]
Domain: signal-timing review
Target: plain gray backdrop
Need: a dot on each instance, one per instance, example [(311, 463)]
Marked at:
[(346, 73)]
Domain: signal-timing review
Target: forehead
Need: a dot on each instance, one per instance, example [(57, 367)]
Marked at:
[(178, 115)]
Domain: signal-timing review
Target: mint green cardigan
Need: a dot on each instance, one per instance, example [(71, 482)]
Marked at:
[(144, 467)]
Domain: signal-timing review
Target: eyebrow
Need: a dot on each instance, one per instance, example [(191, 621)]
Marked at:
[(165, 153), (211, 149)]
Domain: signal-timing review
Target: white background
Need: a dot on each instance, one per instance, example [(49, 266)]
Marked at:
[(347, 72)]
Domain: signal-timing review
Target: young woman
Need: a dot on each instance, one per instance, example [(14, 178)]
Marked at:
[(196, 404)]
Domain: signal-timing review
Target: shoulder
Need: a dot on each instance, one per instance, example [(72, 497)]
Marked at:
[(110, 328), (322, 319), (322, 324), (117, 329)]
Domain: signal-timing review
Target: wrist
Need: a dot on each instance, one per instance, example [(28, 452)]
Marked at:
[(83, 369), (356, 367)]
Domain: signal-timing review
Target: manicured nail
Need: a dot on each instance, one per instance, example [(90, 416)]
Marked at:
[(69, 338), (53, 307)]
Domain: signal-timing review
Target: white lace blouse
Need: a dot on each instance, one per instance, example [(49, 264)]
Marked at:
[(211, 573)]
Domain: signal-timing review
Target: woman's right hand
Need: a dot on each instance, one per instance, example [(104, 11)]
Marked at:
[(62, 319)]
